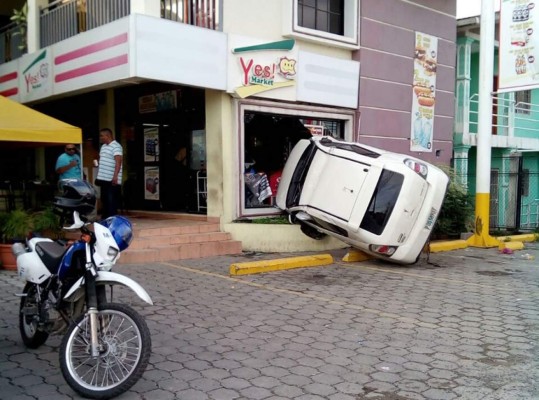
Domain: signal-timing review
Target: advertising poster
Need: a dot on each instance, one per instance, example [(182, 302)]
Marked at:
[(151, 144), (519, 30), (151, 183), (198, 150), (424, 92), (158, 102)]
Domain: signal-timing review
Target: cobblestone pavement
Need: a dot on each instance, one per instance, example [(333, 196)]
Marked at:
[(461, 325)]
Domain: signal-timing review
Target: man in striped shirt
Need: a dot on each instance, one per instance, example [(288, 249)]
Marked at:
[(109, 174)]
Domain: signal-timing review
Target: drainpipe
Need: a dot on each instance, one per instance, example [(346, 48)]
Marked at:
[(481, 236)]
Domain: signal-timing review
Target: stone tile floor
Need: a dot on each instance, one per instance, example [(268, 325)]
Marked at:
[(461, 325)]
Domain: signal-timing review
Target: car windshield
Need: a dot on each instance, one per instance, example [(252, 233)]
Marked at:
[(382, 202)]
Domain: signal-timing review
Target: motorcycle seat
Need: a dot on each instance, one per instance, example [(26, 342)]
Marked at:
[(51, 254)]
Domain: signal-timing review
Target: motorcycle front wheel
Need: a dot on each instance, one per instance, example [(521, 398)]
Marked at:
[(125, 347), (31, 336)]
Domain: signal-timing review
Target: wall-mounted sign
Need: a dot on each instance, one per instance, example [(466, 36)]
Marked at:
[(158, 102), (316, 130), (36, 81), (519, 46), (266, 66), (424, 92)]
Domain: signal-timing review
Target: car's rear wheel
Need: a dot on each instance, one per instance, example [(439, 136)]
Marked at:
[(312, 232)]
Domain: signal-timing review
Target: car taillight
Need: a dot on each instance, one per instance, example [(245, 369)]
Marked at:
[(383, 249), (419, 168)]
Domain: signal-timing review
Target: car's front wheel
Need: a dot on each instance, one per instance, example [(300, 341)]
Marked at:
[(312, 232)]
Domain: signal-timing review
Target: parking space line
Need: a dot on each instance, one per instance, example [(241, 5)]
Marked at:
[(305, 295), (433, 278)]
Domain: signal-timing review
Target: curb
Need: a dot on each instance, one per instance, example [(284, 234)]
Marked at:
[(356, 255), (514, 242), (447, 245), (257, 267)]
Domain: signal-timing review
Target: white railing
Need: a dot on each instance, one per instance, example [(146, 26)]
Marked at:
[(10, 43), (508, 118), (62, 19)]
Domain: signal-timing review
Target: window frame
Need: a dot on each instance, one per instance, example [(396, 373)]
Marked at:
[(350, 38), (348, 118)]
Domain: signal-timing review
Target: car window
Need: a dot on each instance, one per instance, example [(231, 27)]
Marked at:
[(382, 202), (349, 147)]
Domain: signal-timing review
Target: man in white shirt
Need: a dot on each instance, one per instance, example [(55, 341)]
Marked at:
[(109, 174)]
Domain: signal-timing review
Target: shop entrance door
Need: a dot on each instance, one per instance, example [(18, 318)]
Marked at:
[(162, 156)]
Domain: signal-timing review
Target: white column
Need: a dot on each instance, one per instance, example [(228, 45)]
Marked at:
[(146, 7), (32, 25), (481, 237)]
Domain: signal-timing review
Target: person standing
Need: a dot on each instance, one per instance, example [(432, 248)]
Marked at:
[(68, 163), (109, 173)]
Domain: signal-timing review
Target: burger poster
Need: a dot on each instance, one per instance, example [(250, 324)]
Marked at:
[(424, 91), (519, 46)]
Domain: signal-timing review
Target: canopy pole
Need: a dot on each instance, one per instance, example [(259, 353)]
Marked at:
[(481, 236)]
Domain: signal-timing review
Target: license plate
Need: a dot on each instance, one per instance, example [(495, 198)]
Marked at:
[(432, 218)]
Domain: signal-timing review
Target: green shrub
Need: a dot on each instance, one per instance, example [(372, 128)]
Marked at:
[(16, 226), (457, 213), (47, 221), (271, 220)]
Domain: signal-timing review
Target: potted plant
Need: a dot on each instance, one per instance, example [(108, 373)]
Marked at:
[(20, 18), (15, 226), (46, 223)]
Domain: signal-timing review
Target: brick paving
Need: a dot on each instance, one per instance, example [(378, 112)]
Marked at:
[(464, 325)]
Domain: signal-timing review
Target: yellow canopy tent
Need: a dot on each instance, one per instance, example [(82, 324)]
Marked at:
[(19, 123)]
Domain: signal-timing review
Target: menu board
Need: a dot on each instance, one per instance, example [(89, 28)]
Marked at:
[(424, 92), (519, 30)]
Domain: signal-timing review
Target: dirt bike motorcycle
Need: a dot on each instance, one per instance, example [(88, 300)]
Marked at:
[(106, 346)]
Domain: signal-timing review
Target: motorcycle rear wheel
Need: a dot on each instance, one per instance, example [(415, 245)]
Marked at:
[(126, 347), (31, 336)]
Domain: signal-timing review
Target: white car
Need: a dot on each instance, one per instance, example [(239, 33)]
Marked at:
[(380, 202)]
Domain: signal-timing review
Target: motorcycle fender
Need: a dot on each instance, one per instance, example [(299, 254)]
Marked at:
[(112, 278)]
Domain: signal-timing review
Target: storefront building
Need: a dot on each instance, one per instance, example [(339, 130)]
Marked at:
[(207, 116)]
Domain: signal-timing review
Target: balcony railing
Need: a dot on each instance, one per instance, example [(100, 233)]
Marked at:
[(508, 117), (62, 19), (11, 46)]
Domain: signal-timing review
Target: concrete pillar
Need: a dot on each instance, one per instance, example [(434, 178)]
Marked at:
[(462, 90), (481, 236), (460, 164), (217, 114), (106, 112), (32, 24), (146, 7)]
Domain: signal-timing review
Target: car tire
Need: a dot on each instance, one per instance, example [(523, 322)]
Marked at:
[(292, 218), (312, 232)]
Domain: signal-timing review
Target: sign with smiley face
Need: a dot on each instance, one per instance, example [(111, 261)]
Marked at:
[(266, 67)]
